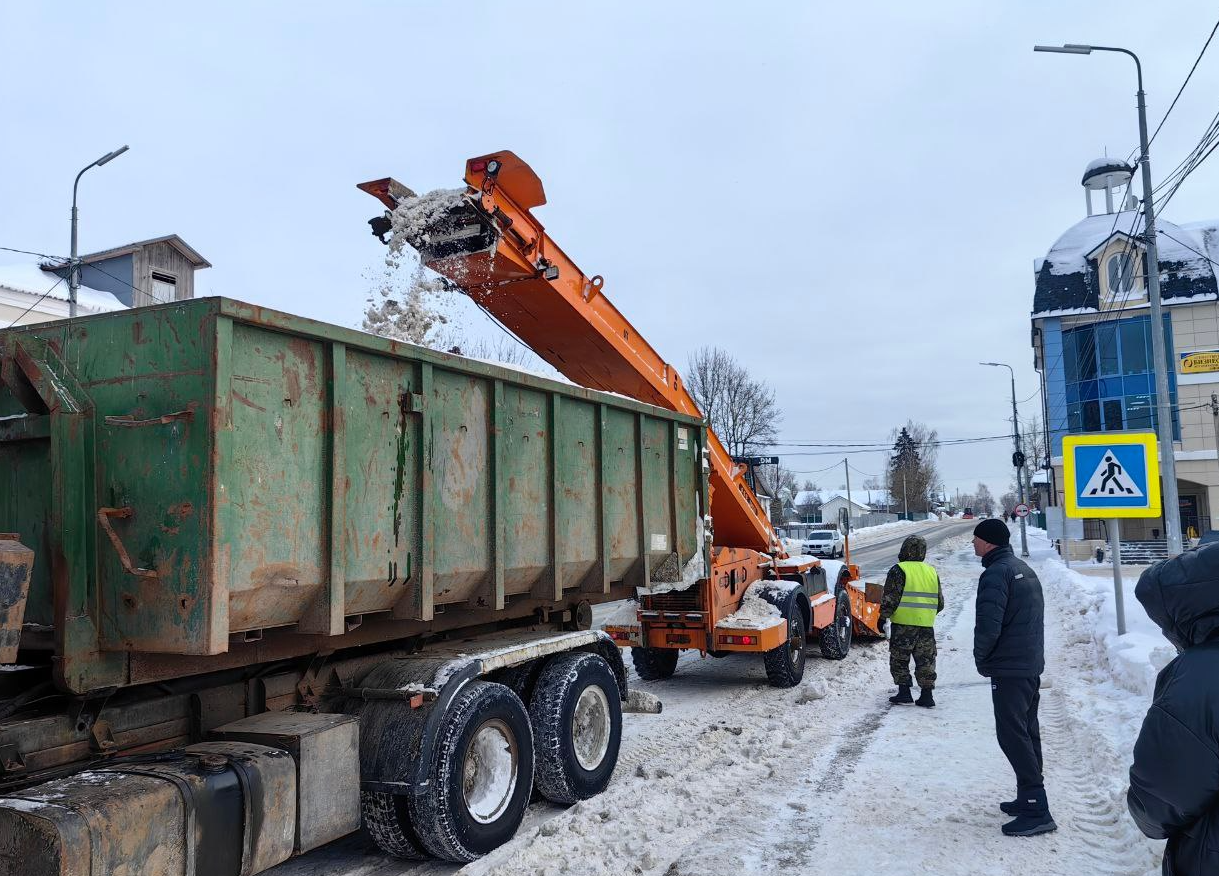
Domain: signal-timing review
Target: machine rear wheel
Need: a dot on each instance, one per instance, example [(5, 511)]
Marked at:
[(652, 664)]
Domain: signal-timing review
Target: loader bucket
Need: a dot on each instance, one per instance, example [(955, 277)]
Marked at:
[(865, 607)]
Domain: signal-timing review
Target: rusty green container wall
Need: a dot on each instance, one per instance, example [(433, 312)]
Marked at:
[(286, 477)]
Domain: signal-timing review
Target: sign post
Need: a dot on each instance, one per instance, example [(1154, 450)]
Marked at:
[(1112, 476)]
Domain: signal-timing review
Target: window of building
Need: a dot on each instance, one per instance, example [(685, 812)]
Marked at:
[(1109, 383), (164, 287), (1121, 274)]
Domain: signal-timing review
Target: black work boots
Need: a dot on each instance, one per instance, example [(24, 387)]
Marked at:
[(902, 697), (925, 699), (1032, 811)]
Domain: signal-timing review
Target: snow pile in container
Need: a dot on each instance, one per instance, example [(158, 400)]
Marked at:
[(755, 612), (665, 578)]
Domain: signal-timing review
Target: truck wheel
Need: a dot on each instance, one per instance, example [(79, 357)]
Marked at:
[(785, 663), (388, 823), (481, 775), (576, 714), (654, 663), (836, 638)]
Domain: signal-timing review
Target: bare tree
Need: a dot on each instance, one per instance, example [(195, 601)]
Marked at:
[(741, 410), (983, 501), (1007, 503)]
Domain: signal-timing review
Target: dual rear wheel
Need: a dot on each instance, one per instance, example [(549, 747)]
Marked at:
[(491, 751)]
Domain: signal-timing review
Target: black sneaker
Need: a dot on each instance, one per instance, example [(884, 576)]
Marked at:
[(925, 699), (902, 697)]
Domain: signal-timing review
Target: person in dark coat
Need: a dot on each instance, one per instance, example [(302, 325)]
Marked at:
[(1174, 780), (1009, 649)]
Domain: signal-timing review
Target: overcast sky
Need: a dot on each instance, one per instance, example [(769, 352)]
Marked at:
[(848, 197)]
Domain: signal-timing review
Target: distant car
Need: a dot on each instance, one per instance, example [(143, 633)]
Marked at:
[(824, 543)]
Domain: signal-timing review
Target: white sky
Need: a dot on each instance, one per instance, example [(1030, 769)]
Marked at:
[(849, 199)]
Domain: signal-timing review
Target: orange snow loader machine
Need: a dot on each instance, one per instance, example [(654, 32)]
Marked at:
[(732, 587)]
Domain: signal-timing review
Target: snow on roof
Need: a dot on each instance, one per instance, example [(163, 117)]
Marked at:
[(1103, 166), (1069, 254), (807, 497), (30, 279)]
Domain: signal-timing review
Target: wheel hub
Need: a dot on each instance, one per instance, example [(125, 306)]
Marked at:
[(489, 771), (590, 727)]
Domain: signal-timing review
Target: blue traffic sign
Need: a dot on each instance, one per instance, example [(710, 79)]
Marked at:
[(1111, 475)]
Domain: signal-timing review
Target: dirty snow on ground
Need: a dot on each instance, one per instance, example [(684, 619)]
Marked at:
[(738, 777)]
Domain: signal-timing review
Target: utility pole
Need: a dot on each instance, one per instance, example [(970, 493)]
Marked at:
[(1215, 416), (846, 468), (1168, 460), (905, 497), (73, 263), (1017, 457)]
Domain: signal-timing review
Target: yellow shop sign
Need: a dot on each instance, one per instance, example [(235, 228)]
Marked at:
[(1200, 361)]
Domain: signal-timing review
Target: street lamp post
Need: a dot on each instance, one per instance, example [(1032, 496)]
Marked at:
[(1168, 462), (73, 265), (1017, 456)]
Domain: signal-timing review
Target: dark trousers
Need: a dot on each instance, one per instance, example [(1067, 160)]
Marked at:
[(1015, 701)]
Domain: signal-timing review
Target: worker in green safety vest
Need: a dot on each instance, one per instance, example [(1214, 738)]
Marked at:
[(913, 597)]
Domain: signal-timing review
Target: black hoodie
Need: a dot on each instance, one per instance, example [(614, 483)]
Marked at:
[(1174, 780)]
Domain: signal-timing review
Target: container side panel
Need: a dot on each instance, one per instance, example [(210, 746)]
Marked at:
[(526, 483), (25, 508), (622, 496), (277, 518), (462, 559), (657, 489), (148, 375), (382, 521), (687, 485), (578, 500)]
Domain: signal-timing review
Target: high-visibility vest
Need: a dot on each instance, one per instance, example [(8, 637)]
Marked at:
[(920, 597)]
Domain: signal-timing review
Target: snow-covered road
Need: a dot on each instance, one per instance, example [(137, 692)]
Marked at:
[(737, 777)]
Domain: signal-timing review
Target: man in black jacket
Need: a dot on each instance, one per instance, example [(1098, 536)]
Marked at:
[(1174, 781), (1009, 648)]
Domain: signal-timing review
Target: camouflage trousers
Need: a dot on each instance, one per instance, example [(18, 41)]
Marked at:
[(917, 642)]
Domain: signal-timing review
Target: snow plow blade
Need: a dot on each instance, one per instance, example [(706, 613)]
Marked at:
[(865, 608)]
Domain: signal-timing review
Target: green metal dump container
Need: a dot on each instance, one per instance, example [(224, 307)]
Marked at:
[(209, 484)]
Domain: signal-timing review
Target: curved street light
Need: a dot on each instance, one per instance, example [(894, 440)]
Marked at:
[(73, 264)]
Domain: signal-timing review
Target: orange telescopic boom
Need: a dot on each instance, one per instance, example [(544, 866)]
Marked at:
[(492, 246), (486, 240)]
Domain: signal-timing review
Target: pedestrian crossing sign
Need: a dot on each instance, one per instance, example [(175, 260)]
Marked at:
[(1114, 474)]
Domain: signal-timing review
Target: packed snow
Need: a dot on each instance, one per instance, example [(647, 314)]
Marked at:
[(738, 777)]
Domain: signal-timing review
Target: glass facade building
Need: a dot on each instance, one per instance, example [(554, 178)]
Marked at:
[(1102, 379)]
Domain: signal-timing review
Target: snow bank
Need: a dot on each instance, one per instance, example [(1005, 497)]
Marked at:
[(1132, 660), (883, 528)]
